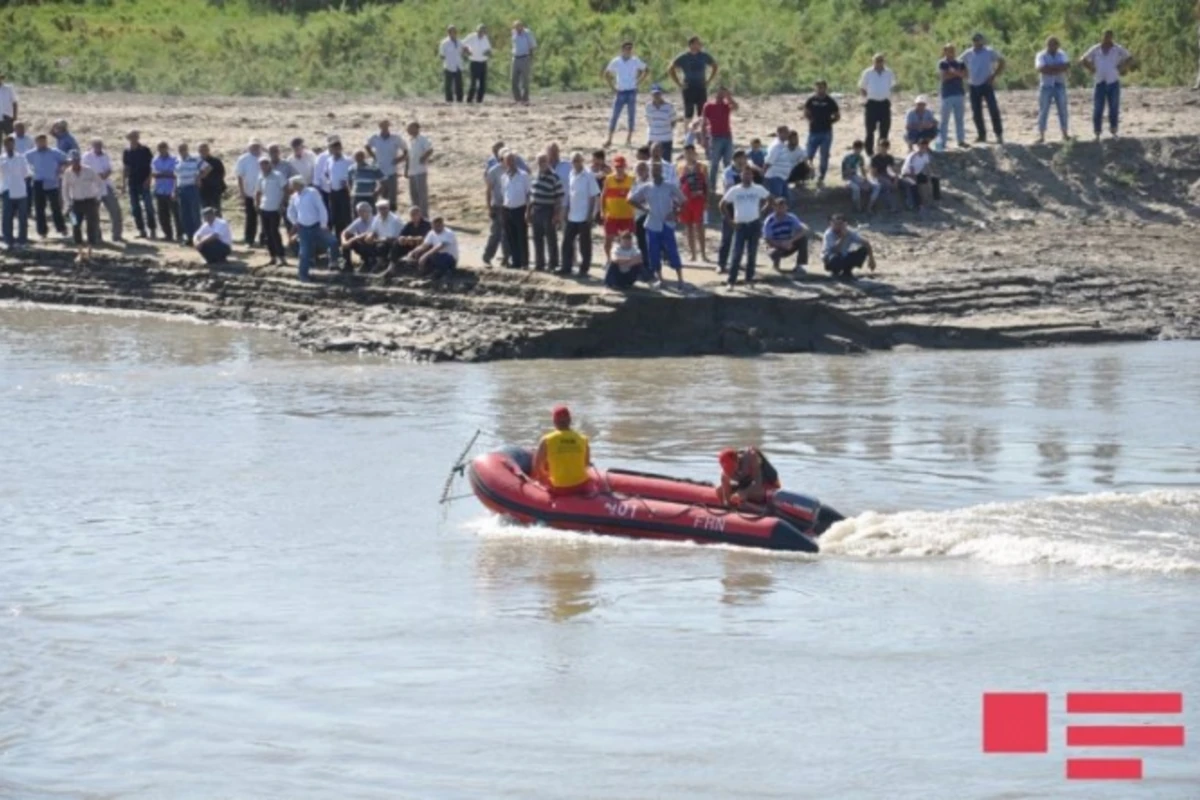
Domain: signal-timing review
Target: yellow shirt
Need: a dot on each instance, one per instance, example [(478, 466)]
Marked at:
[(566, 458), (616, 197)]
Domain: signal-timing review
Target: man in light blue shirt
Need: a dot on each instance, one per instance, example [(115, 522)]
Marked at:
[(1052, 65), (524, 45), (46, 164), (661, 201), (919, 123), (843, 249), (984, 65)]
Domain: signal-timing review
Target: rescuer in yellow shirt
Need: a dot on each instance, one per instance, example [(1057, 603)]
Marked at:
[(563, 455)]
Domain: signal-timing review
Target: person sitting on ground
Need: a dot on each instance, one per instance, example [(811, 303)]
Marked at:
[(918, 170), (437, 256), (214, 240), (386, 229), (854, 173), (413, 234), (563, 456), (884, 178), (779, 163), (920, 125), (843, 249), (785, 235), (626, 264), (801, 167), (358, 239), (746, 475), (757, 155)]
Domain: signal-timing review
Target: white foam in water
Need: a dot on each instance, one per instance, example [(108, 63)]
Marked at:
[(1156, 531)]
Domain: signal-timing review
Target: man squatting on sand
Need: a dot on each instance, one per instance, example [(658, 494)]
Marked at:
[(346, 205)]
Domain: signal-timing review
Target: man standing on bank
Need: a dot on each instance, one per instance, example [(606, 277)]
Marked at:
[(247, 170), (822, 112), (984, 65), (135, 177), (699, 69), (478, 49), (451, 52), (1107, 62), (876, 85), (624, 75), (524, 45)]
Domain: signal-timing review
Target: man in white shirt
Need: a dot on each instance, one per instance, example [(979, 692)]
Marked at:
[(214, 240), (1053, 66), (1107, 62), (781, 159), (385, 234), (745, 204), (918, 170), (388, 150), (270, 193), (358, 238), (515, 188), (582, 196), (660, 122), (310, 220), (14, 186), (8, 106), (82, 189), (22, 142), (876, 85), (438, 254), (624, 74), (420, 150), (320, 177), (247, 171), (302, 161), (337, 178), (478, 49), (451, 52), (99, 162)]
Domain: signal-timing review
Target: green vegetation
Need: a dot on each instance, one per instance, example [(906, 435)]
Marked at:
[(252, 47)]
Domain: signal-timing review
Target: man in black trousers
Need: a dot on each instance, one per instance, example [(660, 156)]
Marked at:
[(516, 186), (876, 86)]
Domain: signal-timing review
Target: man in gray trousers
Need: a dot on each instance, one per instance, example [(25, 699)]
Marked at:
[(523, 47)]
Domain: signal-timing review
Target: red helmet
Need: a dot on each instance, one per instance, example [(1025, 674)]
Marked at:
[(561, 415), (729, 460)]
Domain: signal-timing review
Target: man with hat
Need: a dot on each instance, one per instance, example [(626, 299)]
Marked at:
[(563, 456), (386, 229), (247, 170), (984, 65), (137, 171), (624, 74), (388, 150), (8, 106), (617, 213), (214, 240), (919, 123), (101, 164), (269, 196), (660, 122), (82, 189)]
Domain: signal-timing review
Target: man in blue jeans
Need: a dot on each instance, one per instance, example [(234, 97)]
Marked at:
[(1052, 65), (624, 74), (137, 160), (822, 112), (984, 65), (952, 72), (661, 201), (14, 183), (1107, 62), (310, 220), (745, 205)]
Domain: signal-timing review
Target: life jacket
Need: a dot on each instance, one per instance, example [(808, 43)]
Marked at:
[(566, 458), (770, 476)]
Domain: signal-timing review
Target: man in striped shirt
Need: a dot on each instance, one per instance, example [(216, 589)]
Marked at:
[(785, 235), (187, 192), (660, 119), (545, 213)]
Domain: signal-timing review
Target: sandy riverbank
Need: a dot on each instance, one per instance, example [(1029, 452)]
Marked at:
[(1032, 244)]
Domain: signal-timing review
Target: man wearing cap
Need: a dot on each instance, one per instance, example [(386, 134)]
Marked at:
[(478, 48), (270, 193), (101, 164), (699, 70), (952, 73), (247, 170), (46, 164), (1107, 62), (919, 123), (386, 230), (822, 112), (14, 189), (135, 178), (660, 122), (876, 85), (387, 149), (624, 75), (984, 65), (438, 254), (420, 150), (212, 181), (451, 52), (82, 189), (515, 188), (617, 213), (582, 194), (1052, 65), (563, 457), (8, 106), (214, 239), (187, 192), (310, 219), (358, 239), (524, 45)]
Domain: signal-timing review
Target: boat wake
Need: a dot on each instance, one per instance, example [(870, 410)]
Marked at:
[(1155, 531)]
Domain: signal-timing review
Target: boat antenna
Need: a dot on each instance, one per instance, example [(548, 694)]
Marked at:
[(456, 470)]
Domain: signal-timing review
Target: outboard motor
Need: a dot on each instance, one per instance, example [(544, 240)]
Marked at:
[(804, 512)]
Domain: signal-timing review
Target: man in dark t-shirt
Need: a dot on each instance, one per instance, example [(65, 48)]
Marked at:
[(883, 175), (821, 111), (212, 179), (695, 64), (136, 177)]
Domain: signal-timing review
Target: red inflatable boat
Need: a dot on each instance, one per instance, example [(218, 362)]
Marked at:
[(644, 506)]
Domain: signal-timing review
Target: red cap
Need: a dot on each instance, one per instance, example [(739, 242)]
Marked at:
[(729, 460), (561, 415)]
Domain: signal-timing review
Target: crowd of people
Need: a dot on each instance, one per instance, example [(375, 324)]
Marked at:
[(300, 201)]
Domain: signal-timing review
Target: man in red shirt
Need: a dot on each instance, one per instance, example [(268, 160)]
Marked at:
[(716, 115)]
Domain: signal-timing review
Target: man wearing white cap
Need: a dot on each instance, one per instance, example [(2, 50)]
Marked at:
[(919, 123), (99, 162), (247, 170), (357, 238), (385, 233), (660, 120)]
